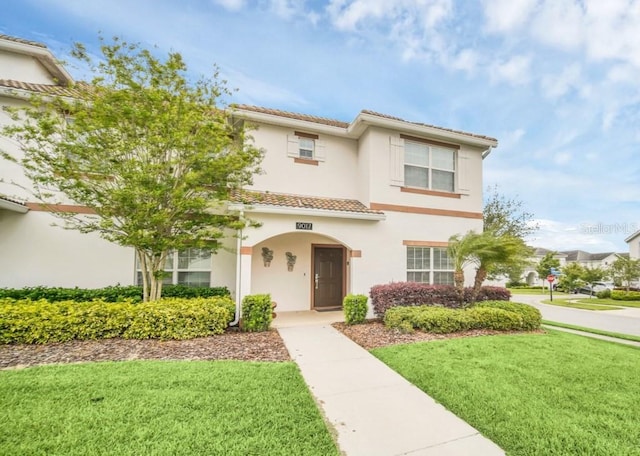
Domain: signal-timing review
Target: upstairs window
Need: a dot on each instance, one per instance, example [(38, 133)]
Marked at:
[(429, 166), (305, 148)]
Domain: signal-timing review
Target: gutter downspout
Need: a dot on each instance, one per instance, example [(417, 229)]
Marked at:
[(236, 320), (486, 153)]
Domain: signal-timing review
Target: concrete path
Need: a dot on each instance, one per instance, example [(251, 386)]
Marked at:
[(595, 336), (374, 410)]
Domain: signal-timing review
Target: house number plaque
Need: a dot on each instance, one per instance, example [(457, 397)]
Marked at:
[(304, 226)]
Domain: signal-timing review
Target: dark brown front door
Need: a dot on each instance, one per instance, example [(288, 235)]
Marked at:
[(328, 277)]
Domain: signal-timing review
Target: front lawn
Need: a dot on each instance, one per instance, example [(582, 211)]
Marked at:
[(535, 394), (160, 408), (586, 304)]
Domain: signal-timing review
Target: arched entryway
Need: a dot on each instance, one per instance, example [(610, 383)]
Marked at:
[(301, 271)]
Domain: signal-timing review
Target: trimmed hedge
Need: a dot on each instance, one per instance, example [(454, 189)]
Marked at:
[(394, 294), (39, 322), (620, 295), (257, 313), (355, 309), (116, 293), (496, 315)]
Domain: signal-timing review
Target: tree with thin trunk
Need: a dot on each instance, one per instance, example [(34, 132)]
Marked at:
[(151, 152), (546, 265), (571, 277), (593, 274), (625, 270)]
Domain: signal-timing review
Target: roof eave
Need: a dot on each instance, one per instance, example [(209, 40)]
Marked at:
[(273, 119), (633, 236), (43, 55), (12, 206), (365, 120), (303, 211)]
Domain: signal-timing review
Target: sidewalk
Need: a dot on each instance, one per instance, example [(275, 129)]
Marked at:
[(374, 410)]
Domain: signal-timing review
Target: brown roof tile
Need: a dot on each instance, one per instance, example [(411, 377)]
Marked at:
[(12, 200), (22, 40), (39, 88), (341, 124), (292, 115), (385, 116), (301, 201)]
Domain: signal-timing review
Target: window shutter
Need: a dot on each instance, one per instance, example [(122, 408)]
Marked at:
[(319, 152), (464, 174), (396, 161), (293, 146)]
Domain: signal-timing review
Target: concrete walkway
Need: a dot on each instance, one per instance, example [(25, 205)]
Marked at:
[(374, 410)]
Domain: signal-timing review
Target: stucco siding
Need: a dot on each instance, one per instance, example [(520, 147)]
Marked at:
[(23, 68)]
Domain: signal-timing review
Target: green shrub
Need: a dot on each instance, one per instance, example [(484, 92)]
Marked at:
[(603, 294), (116, 293), (531, 317), (355, 309), (257, 313), (621, 295), (37, 322), (496, 315)]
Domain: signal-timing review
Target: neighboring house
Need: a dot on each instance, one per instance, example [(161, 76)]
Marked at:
[(634, 245), (343, 206), (592, 260), (530, 275)]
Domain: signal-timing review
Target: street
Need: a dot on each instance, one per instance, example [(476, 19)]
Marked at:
[(626, 321)]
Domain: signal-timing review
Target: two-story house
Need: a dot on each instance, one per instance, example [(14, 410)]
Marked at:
[(342, 206)]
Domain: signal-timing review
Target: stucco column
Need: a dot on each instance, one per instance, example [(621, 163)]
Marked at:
[(245, 271)]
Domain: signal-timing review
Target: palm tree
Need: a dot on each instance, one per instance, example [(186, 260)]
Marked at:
[(462, 250), (497, 251), (487, 251)]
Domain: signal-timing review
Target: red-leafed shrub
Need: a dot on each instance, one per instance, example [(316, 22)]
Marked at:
[(394, 294)]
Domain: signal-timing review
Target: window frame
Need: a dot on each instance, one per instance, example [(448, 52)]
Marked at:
[(173, 273), (430, 145), (432, 269)]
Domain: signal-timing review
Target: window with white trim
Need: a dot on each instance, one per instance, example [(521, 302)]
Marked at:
[(191, 267), (428, 166), (429, 265), (305, 147)]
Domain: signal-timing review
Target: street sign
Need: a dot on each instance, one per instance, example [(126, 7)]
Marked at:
[(551, 278)]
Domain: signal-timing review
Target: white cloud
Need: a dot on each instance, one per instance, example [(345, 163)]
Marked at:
[(231, 5), (560, 23), (507, 15), (555, 86), (557, 235), (562, 158), (516, 70)]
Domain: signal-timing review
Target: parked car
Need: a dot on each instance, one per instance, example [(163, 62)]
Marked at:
[(597, 286)]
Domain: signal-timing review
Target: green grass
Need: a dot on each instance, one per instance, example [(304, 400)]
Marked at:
[(160, 408), (580, 304), (529, 291), (533, 394), (593, 331), (613, 302)]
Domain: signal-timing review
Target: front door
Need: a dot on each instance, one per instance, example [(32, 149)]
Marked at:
[(328, 277)]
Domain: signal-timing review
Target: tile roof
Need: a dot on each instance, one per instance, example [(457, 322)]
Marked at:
[(22, 41), (341, 124), (39, 88), (449, 130), (292, 115), (12, 200), (301, 201)]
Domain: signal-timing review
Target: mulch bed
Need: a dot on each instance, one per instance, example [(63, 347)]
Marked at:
[(260, 346)]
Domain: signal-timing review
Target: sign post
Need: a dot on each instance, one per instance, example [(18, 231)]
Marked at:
[(551, 278)]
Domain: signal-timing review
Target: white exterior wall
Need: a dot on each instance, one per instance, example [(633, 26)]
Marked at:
[(23, 68), (634, 247), (35, 253), (383, 191), (334, 177)]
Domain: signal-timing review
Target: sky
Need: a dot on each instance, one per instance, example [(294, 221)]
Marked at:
[(555, 81)]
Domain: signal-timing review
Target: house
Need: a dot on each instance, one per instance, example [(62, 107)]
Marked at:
[(634, 245), (530, 275), (591, 260), (343, 205)]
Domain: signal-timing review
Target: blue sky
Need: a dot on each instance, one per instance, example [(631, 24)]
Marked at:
[(556, 81)]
